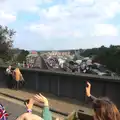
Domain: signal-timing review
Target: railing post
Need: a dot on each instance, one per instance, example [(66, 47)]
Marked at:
[(36, 81), (58, 86), (104, 89)]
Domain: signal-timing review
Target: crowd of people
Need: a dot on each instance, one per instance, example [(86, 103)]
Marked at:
[(14, 79), (104, 109)]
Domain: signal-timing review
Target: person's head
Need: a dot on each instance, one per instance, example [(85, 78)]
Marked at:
[(105, 110), (28, 116), (17, 69), (9, 67)]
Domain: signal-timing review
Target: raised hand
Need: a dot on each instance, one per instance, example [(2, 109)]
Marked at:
[(29, 105), (41, 98)]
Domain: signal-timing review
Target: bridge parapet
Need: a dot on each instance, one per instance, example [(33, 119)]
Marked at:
[(70, 85)]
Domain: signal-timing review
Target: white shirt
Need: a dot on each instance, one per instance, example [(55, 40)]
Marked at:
[(8, 70)]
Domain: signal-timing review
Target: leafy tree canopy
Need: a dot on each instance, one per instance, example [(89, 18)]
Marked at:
[(6, 42), (22, 56)]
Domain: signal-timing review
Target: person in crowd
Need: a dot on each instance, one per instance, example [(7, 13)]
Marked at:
[(17, 77), (9, 77), (104, 108), (46, 115), (8, 70)]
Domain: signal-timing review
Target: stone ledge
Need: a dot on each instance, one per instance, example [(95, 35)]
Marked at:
[(56, 104)]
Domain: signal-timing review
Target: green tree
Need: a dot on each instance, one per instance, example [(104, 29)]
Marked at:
[(6, 42), (109, 56), (22, 56)]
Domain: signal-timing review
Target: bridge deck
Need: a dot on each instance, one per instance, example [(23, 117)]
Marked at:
[(61, 104)]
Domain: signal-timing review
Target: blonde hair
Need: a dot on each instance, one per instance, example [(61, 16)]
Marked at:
[(18, 74), (17, 70)]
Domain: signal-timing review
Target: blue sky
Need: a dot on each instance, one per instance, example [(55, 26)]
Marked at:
[(62, 24)]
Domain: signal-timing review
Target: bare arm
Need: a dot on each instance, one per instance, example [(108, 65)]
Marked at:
[(88, 92)]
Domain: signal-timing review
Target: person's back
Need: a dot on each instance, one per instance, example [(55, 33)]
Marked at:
[(17, 74)]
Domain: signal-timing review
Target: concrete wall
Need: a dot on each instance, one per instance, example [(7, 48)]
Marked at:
[(68, 84)]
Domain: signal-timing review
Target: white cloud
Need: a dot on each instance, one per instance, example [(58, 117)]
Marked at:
[(65, 19), (81, 3), (23, 5), (47, 1), (49, 32), (6, 18), (74, 22), (112, 9), (105, 30), (10, 8)]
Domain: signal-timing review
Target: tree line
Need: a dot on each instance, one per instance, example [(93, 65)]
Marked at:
[(9, 54), (109, 56)]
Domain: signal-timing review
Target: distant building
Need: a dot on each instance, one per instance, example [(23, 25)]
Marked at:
[(31, 57), (60, 52)]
